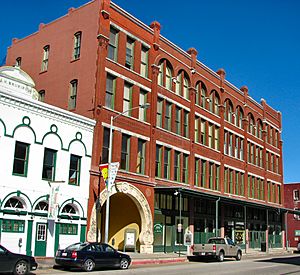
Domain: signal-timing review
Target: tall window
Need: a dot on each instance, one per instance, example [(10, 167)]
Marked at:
[(21, 159), (201, 94), (185, 123), (77, 44), (113, 44), (159, 112), (210, 135), (110, 91), (49, 164), (197, 166), (42, 94), (214, 102), (18, 61), (129, 53), (105, 148), (167, 153), (176, 166), (203, 132), (158, 160), (203, 173), (125, 152), (73, 94), (217, 138), (182, 84), (144, 62), (127, 98), (165, 75), (185, 168), (178, 120), (197, 119), (141, 157), (46, 50), (143, 101), (74, 172), (168, 114)]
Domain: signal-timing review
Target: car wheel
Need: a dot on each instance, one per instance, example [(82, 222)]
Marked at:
[(89, 265), (124, 263), (221, 256), (21, 268), (238, 256)]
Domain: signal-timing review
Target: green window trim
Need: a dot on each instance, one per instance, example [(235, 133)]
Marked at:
[(68, 229), (48, 165), (74, 170), (13, 226), (23, 160)]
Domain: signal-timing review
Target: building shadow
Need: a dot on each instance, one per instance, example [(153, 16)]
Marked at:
[(282, 260)]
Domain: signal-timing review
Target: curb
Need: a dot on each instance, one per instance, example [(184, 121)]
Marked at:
[(159, 261)]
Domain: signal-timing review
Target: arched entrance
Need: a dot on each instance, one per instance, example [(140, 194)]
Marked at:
[(129, 208)]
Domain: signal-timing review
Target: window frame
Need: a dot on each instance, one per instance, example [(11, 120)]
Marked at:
[(77, 45), (45, 60), (77, 170), (53, 165), (25, 160), (73, 94)]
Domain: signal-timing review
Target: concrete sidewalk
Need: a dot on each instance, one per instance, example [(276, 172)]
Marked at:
[(167, 258)]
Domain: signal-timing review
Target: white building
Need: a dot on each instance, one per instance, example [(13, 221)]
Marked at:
[(41, 146)]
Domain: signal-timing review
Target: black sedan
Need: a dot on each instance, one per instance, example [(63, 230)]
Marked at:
[(91, 255), (16, 263)]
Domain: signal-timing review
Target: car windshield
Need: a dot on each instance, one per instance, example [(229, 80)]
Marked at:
[(76, 246)]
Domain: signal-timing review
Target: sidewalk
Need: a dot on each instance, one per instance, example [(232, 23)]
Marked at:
[(167, 258)]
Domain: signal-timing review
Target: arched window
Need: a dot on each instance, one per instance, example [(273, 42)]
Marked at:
[(165, 74), (42, 206), (228, 111), (201, 92), (259, 131), (239, 115), (77, 45), (15, 203), (251, 125), (69, 209), (182, 85), (214, 102)]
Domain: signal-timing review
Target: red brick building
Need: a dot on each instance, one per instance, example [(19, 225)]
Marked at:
[(204, 156), (292, 201)]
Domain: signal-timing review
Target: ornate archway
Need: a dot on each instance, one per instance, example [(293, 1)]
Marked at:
[(146, 235)]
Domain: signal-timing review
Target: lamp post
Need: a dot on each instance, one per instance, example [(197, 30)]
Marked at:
[(179, 228), (112, 118)]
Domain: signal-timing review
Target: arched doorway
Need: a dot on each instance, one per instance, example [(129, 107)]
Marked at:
[(129, 208)]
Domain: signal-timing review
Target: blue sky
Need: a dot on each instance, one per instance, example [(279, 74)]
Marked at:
[(257, 42)]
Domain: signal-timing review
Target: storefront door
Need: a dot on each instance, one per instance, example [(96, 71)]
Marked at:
[(40, 239)]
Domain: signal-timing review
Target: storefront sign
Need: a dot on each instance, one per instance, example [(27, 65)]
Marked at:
[(53, 201), (158, 228), (112, 173)]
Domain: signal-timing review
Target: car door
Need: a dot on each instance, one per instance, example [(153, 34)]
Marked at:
[(110, 257), (6, 261), (231, 247)]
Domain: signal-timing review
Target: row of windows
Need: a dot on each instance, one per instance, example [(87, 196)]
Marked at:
[(169, 202), (233, 145), (207, 174), (46, 52), (110, 97), (171, 164), (256, 188), (113, 48), (21, 159), (73, 90), (209, 134), (126, 152), (234, 182), (166, 111), (255, 154)]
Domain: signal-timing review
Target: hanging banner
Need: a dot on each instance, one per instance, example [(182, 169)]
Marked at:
[(104, 172), (53, 201), (112, 173)]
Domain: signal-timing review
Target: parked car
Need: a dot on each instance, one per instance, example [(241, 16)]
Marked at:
[(16, 263), (91, 255), (218, 248)]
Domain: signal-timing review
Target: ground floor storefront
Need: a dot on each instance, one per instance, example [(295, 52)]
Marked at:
[(181, 211)]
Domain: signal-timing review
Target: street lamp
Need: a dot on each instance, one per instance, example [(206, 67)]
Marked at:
[(180, 225), (112, 118)]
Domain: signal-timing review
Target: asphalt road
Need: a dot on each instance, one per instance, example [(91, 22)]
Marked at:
[(283, 265)]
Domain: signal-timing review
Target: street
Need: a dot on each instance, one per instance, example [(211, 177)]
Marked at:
[(287, 264)]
